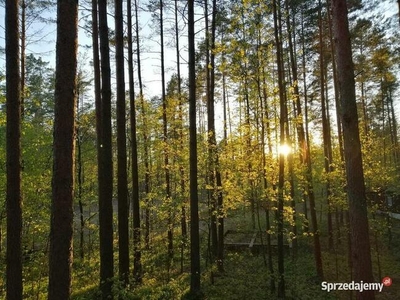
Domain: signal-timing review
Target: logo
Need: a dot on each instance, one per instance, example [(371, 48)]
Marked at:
[(355, 286), (387, 281)]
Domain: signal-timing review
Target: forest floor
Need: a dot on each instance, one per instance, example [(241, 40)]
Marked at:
[(246, 274)]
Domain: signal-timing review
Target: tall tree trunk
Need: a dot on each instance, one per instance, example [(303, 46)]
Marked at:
[(79, 196), (61, 230), (106, 165), (210, 122), (264, 126), (297, 105), (123, 205), (309, 177), (298, 123), (23, 56), (165, 140), (97, 81), (336, 88), (339, 216), (79, 170), (361, 250), (14, 196), (217, 193), (224, 103), (248, 125), (145, 136), (305, 145), (181, 136), (325, 126), (137, 265), (194, 201), (282, 125), (383, 118)]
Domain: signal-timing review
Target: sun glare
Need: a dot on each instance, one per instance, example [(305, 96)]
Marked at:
[(284, 149)]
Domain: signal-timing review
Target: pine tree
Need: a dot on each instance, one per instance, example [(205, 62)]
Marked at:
[(137, 265), (194, 202), (14, 195), (61, 233), (361, 251), (106, 164), (122, 177)]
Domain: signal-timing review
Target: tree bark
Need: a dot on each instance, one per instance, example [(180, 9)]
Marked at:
[(122, 180), (325, 125), (23, 58), (298, 124), (309, 177), (165, 140), (361, 251), (218, 179), (194, 201), (137, 265), (61, 230), (212, 204), (106, 165), (145, 136), (265, 131), (181, 136), (282, 125), (13, 148), (79, 167)]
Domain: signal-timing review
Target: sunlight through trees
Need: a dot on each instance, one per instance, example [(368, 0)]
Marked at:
[(240, 149)]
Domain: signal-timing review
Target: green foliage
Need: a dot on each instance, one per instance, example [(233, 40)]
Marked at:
[(245, 72), (36, 183), (380, 175), (39, 91)]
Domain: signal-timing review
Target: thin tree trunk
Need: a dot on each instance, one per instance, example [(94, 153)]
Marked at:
[(325, 127), (182, 146), (210, 123), (106, 164), (297, 103), (194, 202), (137, 265), (265, 184), (79, 167), (145, 136), (383, 118), (224, 104), (339, 218), (97, 84), (215, 157), (298, 124), (165, 140), (61, 230), (282, 125), (13, 194), (393, 130), (309, 177), (122, 176), (298, 108)]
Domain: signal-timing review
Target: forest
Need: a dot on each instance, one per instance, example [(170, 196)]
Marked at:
[(231, 149)]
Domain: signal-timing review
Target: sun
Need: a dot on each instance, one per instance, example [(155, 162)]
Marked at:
[(284, 149)]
